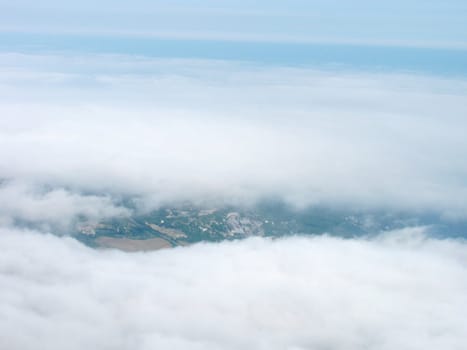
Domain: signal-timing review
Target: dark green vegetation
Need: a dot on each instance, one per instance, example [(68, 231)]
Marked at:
[(187, 224)]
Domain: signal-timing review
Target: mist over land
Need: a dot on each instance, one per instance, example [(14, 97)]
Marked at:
[(154, 131)]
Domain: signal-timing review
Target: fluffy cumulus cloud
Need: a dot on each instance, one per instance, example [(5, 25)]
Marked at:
[(399, 291), (52, 208), (107, 127)]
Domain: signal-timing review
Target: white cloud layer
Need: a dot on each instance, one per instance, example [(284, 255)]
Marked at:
[(168, 130), (80, 135), (400, 291)]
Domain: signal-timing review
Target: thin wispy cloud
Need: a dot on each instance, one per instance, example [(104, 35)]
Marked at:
[(363, 22)]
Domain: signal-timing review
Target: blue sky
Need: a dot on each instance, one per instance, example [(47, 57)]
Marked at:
[(427, 23), (422, 36)]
